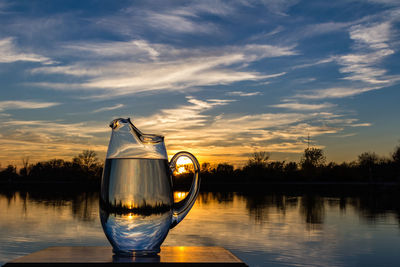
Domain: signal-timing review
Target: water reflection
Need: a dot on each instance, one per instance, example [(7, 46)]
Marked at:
[(370, 206), (312, 209), (83, 205), (274, 228)]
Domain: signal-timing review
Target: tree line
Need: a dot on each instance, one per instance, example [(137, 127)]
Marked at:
[(85, 168), (312, 167)]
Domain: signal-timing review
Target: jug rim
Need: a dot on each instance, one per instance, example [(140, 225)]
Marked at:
[(145, 138)]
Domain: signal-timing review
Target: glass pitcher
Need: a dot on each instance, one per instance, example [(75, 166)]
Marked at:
[(137, 208)]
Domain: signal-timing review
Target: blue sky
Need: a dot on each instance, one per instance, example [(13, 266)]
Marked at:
[(219, 78)]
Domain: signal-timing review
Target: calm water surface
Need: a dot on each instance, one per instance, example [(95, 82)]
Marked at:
[(262, 229)]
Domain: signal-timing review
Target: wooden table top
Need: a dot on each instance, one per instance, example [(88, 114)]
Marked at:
[(98, 256)]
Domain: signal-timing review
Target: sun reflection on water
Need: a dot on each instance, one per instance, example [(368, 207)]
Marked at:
[(178, 196)]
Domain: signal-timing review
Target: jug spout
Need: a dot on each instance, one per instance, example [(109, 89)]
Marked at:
[(127, 141), (146, 138)]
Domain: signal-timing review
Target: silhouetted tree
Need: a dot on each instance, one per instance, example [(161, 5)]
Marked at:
[(258, 159), (87, 159), (396, 163), (291, 171), (224, 168), (205, 167), (312, 157), (24, 171), (9, 173), (367, 161), (312, 163), (396, 155), (256, 167)]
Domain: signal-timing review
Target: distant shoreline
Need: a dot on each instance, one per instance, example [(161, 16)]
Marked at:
[(84, 172)]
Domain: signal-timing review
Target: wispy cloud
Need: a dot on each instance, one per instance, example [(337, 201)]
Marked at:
[(302, 106), (324, 28), (374, 36), (10, 53), (367, 124), (241, 93), (268, 34), (188, 126), (18, 104), (183, 116), (144, 51), (372, 44), (279, 7), (335, 92), (215, 7), (394, 2), (191, 127), (177, 22), (345, 135), (141, 50), (44, 139), (74, 70), (108, 108), (137, 50), (14, 149), (80, 129), (163, 67), (183, 19), (371, 47), (315, 63)]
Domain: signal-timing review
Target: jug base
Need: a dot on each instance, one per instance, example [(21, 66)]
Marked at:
[(136, 253)]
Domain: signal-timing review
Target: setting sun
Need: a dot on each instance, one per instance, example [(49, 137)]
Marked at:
[(183, 161), (181, 170)]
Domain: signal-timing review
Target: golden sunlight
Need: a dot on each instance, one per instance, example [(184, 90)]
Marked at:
[(130, 216), (178, 196), (183, 161), (181, 170)]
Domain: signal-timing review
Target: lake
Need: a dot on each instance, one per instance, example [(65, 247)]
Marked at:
[(263, 229)]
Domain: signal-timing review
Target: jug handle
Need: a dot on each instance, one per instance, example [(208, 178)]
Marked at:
[(181, 209)]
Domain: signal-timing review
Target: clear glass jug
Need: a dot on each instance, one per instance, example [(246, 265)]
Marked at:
[(137, 208)]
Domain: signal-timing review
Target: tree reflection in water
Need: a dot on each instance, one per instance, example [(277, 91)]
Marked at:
[(215, 197), (260, 206), (312, 209), (84, 205), (370, 205)]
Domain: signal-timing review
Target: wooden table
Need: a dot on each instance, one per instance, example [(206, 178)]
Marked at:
[(103, 256)]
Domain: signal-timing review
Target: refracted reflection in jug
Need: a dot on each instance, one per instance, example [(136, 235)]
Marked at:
[(136, 202)]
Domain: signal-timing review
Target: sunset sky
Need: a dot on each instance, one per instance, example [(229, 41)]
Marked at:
[(221, 79)]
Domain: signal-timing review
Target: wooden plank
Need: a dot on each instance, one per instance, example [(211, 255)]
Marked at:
[(99, 256)]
